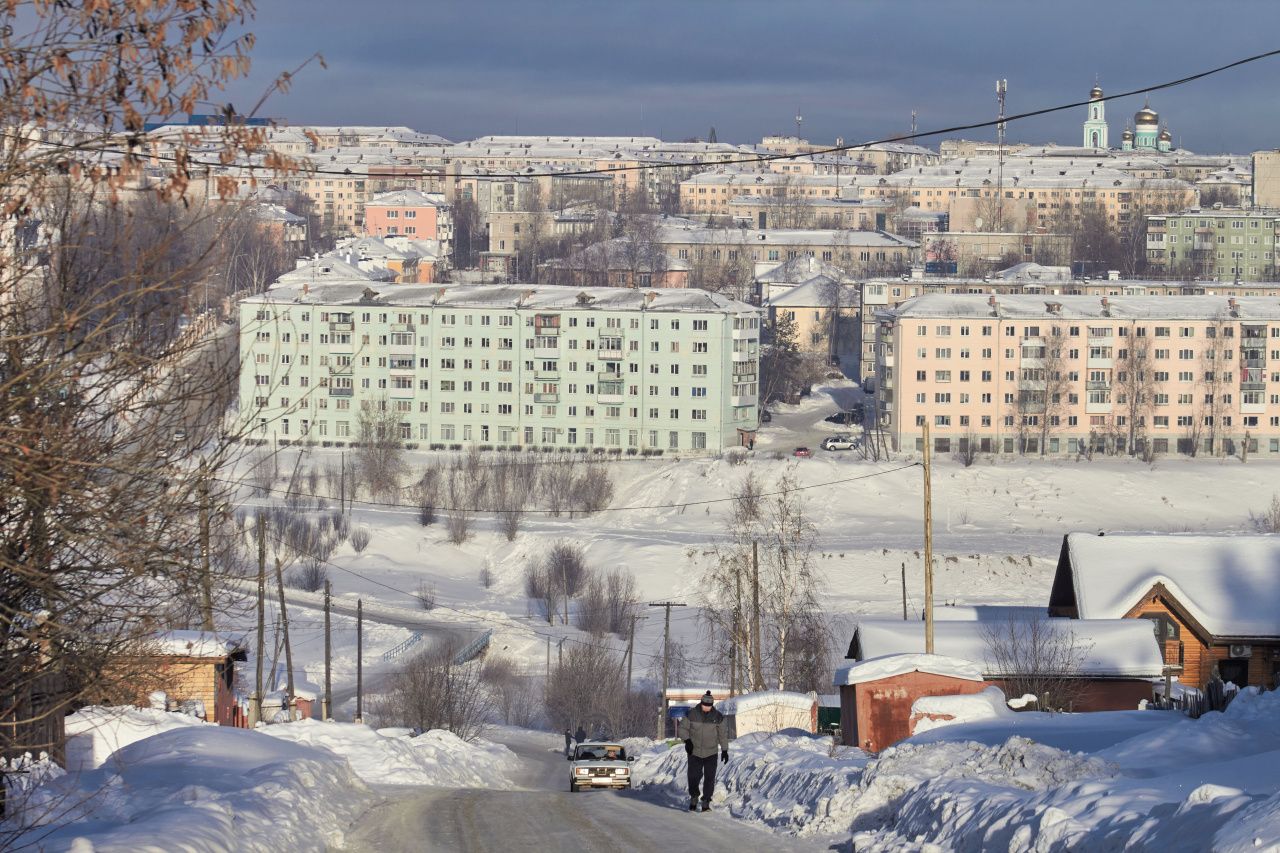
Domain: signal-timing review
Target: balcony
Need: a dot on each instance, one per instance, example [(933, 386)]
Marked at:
[(340, 370), (1253, 386), (1100, 363), (744, 400), (745, 356), (609, 399), (547, 375), (402, 327), (1097, 385), (546, 398), (341, 327), (609, 354), (1091, 408), (342, 392), (744, 334)]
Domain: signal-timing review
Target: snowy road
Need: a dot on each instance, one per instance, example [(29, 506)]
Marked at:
[(542, 815)]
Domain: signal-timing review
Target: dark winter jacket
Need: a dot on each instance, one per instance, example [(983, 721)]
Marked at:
[(707, 731)]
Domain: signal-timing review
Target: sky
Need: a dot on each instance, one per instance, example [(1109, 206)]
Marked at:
[(852, 68)]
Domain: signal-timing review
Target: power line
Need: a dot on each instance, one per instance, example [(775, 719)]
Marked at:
[(755, 158)]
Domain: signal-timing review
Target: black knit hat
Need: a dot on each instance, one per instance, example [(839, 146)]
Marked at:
[(707, 699)]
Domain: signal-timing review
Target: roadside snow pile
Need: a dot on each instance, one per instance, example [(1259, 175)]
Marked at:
[(1207, 784), (391, 757), (199, 788), (748, 702), (787, 780), (95, 732), (931, 712)]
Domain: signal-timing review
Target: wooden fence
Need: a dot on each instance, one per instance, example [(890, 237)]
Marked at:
[(32, 719)]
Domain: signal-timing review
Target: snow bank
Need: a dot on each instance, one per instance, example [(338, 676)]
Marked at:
[(96, 732), (766, 698), (392, 757), (790, 782), (200, 788), (937, 711), (874, 669)]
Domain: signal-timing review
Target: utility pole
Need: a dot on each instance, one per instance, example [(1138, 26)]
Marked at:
[(666, 661), (631, 645), (548, 656), (342, 482), (757, 667), (904, 592), (734, 633), (1002, 86), (326, 711), (288, 647), (359, 660), (206, 576), (928, 546), (560, 654), (255, 701)]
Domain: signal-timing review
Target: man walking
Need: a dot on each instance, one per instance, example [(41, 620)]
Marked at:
[(703, 731)]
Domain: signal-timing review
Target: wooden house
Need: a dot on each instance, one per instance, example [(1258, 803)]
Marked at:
[(1213, 601), (194, 668)]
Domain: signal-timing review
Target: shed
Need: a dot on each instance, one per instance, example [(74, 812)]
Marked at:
[(1213, 601), (195, 668), (771, 711), (876, 695)]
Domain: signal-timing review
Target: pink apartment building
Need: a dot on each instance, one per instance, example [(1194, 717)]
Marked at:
[(410, 213), (1063, 374)]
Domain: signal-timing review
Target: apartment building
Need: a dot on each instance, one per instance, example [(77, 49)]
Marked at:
[(858, 252), (515, 366), (416, 215), (711, 193), (1216, 243), (1022, 373)]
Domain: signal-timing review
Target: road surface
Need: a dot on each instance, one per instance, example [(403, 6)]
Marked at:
[(543, 816)]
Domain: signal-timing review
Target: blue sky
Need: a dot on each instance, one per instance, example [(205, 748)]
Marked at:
[(853, 68)]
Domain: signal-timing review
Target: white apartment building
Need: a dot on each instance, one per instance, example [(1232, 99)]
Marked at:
[(512, 366)]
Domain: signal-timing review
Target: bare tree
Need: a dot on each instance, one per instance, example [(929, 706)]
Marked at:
[(1037, 656), (516, 697), (429, 692), (790, 586), (466, 484), (1136, 388), (380, 455), (585, 689), (1043, 384), (1214, 387), (967, 449), (1268, 520)]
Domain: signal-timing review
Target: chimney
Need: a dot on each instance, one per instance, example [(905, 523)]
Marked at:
[(649, 297), (1233, 306), (1106, 307)]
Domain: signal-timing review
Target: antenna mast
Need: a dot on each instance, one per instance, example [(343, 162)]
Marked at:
[(913, 125), (1002, 86), (799, 121)]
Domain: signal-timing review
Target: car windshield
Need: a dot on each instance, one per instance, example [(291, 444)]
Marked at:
[(601, 752)]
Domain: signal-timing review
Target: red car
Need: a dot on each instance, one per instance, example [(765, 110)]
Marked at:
[(802, 452)]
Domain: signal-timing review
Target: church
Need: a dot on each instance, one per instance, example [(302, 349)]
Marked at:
[(1146, 135)]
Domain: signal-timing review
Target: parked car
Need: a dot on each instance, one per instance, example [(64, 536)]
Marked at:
[(179, 435), (599, 765), (851, 416), (802, 452), (839, 442), (765, 416)]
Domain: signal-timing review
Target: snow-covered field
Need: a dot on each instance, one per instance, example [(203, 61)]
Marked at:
[(998, 528), (1109, 781), (139, 779)]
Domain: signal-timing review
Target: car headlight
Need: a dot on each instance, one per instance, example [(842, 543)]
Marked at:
[(581, 771), (620, 771)]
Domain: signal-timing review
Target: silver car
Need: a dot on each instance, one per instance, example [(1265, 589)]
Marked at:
[(599, 765), (839, 442)]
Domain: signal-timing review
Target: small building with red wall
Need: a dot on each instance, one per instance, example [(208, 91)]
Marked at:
[(189, 667), (1213, 601), (876, 695)]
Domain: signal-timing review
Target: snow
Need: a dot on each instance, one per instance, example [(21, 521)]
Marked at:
[(392, 757), (96, 732), (196, 644), (205, 788), (874, 669), (767, 698), (1104, 647), (953, 710), (1229, 584)]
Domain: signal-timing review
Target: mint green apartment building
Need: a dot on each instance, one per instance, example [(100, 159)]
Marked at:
[(509, 366)]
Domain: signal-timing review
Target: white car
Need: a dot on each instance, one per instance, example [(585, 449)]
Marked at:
[(839, 442), (599, 764)]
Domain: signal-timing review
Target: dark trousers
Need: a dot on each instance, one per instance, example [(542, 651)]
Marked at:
[(702, 770)]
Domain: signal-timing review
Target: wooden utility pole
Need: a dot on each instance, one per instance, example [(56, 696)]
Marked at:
[(757, 666), (359, 660), (548, 656), (560, 654), (928, 546), (631, 645), (342, 482), (904, 592), (666, 661), (206, 574), (255, 701), (288, 647), (736, 634), (325, 710)]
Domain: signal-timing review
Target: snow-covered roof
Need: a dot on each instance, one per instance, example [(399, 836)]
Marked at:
[(817, 292), (328, 268), (1034, 307), (874, 669), (1229, 584), (194, 644), (542, 297), (765, 698), (1105, 648), (405, 198), (802, 268)]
